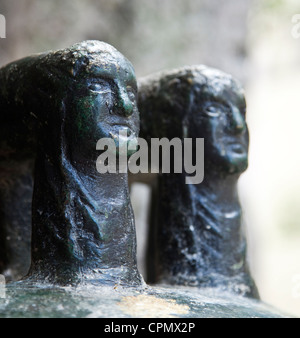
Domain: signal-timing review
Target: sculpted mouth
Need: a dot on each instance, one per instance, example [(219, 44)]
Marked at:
[(237, 148), (121, 129), (122, 133), (125, 137)]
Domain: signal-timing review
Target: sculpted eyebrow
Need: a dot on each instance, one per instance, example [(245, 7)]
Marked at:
[(104, 77)]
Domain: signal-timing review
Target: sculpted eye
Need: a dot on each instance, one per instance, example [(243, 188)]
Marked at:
[(131, 93), (216, 109), (213, 110), (101, 87)]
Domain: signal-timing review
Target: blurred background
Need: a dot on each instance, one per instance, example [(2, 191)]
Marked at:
[(257, 42)]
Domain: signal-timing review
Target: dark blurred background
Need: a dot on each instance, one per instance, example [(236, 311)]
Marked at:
[(251, 39)]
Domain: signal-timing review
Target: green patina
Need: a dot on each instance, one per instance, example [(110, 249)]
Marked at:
[(84, 118)]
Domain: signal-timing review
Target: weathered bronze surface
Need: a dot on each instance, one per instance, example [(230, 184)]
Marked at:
[(55, 106), (157, 302), (196, 235)]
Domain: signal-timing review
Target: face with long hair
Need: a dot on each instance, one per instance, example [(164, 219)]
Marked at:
[(218, 115), (101, 97)]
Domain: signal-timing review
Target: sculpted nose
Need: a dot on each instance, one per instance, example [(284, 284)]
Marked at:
[(125, 104), (237, 123)]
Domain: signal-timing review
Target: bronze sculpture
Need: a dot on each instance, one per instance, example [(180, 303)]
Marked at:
[(82, 221), (55, 107), (196, 236)]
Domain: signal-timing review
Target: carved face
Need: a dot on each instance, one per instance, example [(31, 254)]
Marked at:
[(105, 103), (219, 117)]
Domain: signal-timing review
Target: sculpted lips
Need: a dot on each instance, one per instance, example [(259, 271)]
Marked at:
[(124, 129), (124, 135), (236, 145), (237, 148)]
